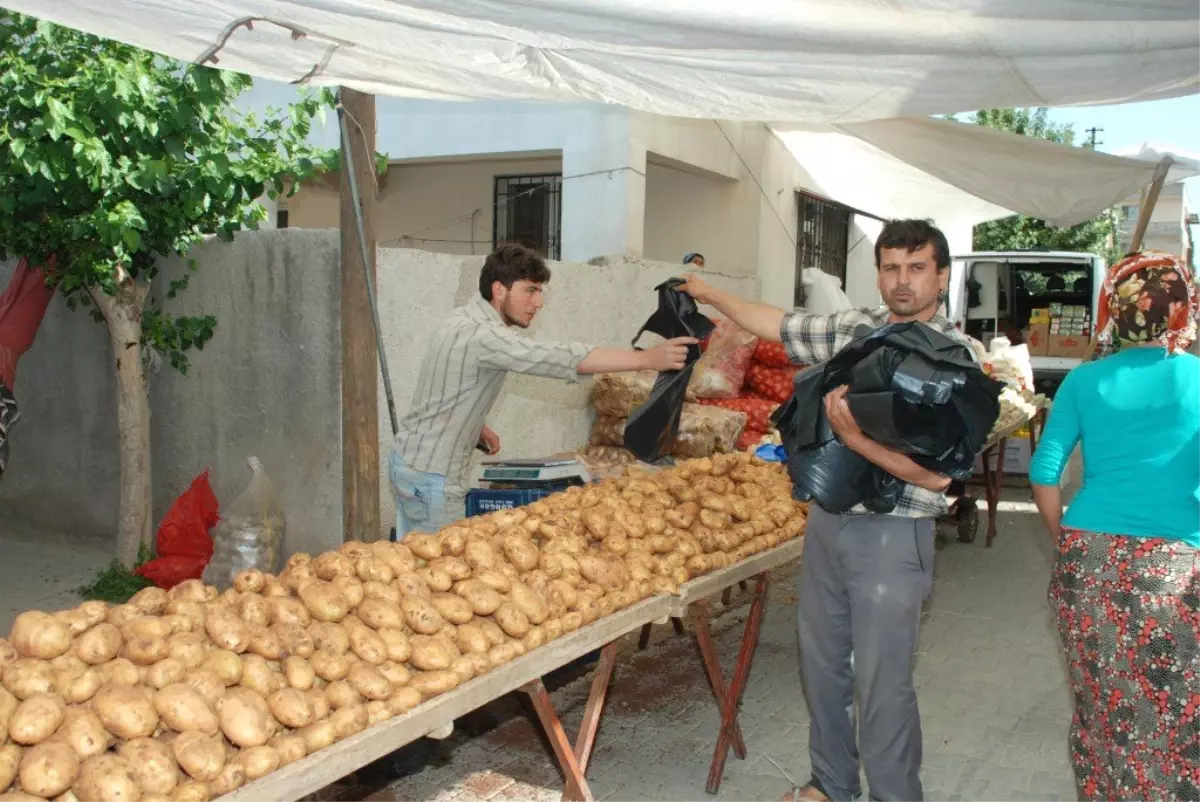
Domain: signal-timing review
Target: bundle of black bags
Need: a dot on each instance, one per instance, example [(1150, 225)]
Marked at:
[(912, 389)]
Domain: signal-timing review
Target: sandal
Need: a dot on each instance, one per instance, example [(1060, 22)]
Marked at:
[(812, 792)]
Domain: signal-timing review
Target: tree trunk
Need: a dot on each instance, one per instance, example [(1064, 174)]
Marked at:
[(123, 312)]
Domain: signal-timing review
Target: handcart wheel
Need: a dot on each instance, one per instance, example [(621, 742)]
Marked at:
[(967, 512)]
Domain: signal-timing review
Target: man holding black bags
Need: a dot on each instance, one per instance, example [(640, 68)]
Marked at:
[(864, 576)]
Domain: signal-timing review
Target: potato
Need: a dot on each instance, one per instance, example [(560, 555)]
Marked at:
[(319, 703), (266, 644), (299, 673), (433, 683), (330, 638), (495, 579), (329, 666), (429, 654), (421, 615), (427, 547), (389, 593), (122, 614), (481, 597), (351, 589), (410, 583), (472, 639), (368, 645), (191, 791), (251, 581), (200, 756), (75, 621), (208, 684), (291, 708), (227, 630), (572, 621), (258, 761), (296, 640), (245, 718), (146, 626), (10, 764), (318, 736), (512, 620), (39, 635), (184, 709), (107, 777), (454, 567), (145, 651), (126, 711), (226, 665), (499, 655), (289, 748), (436, 579), (453, 540), (529, 602), (395, 673), (325, 602), (453, 608), (153, 765), (378, 613), (349, 721), (370, 682), (82, 731), (77, 688), (48, 769), (254, 610), (258, 676), (231, 778), (331, 565), (534, 638), (464, 668), (493, 631), (403, 700), (36, 719), (396, 644)]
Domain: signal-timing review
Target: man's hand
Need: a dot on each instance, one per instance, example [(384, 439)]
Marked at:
[(698, 288), (841, 420), (670, 355), (490, 441)]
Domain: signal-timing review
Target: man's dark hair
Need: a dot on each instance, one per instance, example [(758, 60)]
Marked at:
[(509, 264), (911, 235)]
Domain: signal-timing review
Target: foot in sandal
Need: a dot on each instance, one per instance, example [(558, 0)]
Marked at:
[(807, 793)]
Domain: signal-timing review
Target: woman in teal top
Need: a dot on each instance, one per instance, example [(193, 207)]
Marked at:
[(1126, 585)]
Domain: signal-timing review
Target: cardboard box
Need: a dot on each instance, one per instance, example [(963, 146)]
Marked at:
[(1071, 346), (1037, 337), (1017, 454)]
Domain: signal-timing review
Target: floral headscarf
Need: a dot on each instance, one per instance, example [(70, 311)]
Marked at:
[(1149, 297)]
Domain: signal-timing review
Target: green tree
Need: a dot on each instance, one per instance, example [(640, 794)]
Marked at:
[(1020, 232), (112, 157)]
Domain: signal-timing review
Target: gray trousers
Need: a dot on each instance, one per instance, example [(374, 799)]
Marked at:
[(862, 581)]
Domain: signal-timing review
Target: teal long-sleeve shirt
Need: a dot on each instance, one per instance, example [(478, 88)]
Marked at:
[(1137, 415)]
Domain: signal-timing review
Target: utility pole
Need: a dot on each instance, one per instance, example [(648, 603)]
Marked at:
[(1092, 143)]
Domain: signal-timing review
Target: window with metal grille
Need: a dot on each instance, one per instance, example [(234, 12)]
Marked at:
[(529, 212), (822, 238)]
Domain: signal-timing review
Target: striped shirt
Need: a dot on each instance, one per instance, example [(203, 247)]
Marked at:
[(811, 339), (462, 373)]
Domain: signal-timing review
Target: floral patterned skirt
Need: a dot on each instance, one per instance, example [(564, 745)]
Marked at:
[(1128, 610)]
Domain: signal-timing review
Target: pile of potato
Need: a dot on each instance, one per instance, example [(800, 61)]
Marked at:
[(190, 693)]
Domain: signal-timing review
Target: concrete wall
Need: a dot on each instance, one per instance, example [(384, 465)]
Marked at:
[(447, 207), (268, 383)]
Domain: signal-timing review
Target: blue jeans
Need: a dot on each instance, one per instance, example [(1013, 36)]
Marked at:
[(425, 502)]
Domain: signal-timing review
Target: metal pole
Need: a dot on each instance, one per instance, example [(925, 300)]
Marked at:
[(348, 167)]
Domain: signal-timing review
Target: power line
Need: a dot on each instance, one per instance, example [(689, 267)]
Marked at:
[(1092, 143), (787, 232)]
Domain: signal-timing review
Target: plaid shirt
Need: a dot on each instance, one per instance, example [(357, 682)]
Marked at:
[(811, 339)]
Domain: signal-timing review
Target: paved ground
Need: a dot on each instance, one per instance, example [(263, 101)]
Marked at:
[(989, 674)]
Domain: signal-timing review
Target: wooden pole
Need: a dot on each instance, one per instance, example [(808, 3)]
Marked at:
[(1148, 203), (360, 355)]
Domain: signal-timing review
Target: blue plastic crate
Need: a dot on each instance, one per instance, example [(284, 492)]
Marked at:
[(480, 500)]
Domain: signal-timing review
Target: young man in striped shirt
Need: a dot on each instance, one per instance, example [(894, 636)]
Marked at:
[(462, 372), (864, 576)]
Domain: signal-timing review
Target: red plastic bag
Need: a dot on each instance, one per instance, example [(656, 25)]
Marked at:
[(167, 572), (772, 383), (721, 371), (772, 354), (758, 410), (749, 439), (184, 529)]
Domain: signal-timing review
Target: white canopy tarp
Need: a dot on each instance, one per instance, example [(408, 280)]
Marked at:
[(778, 60), (968, 171)]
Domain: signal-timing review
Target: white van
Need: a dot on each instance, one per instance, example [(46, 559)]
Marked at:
[(993, 292)]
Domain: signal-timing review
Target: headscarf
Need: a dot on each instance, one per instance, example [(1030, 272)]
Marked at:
[(688, 258), (1149, 297)]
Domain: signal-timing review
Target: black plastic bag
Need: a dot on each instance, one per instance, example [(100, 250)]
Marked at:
[(911, 389), (652, 427)]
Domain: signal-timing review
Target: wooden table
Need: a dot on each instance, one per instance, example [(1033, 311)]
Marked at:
[(329, 765), (525, 674), (993, 478)]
